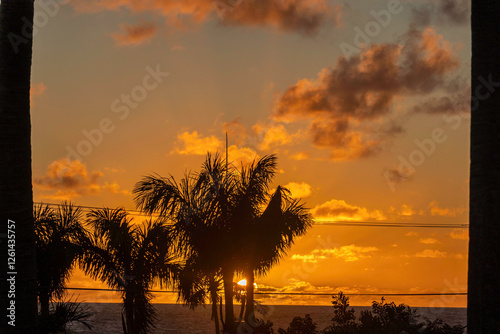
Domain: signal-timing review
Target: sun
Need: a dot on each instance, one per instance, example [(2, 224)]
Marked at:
[(243, 282)]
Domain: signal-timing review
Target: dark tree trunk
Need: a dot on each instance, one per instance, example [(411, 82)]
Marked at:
[(16, 197), (242, 309), (129, 314), (214, 297), (227, 276), (215, 316), (250, 310), (44, 304), (483, 312)]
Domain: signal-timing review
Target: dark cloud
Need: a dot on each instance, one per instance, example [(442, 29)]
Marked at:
[(305, 17), (348, 104), (135, 34), (455, 11), (447, 12), (455, 104), (422, 16), (398, 175)]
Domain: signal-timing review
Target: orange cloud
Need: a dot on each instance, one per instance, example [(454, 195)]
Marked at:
[(311, 258), (36, 90), (299, 190), (305, 17), (435, 210), (194, 144), (71, 179), (428, 241), (273, 135), (460, 234), (406, 211), (339, 210), (135, 34), (348, 253), (431, 253), (241, 156)]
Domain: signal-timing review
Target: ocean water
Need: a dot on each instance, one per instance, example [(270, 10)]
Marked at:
[(178, 319)]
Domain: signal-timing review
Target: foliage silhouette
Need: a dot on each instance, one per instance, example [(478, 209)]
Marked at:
[(64, 313), (130, 258), (58, 234), (301, 326)]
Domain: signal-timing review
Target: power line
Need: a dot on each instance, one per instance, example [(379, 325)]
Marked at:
[(390, 224), (300, 293), (317, 222)]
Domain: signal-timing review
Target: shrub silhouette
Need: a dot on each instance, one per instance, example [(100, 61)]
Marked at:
[(384, 318), (301, 326)]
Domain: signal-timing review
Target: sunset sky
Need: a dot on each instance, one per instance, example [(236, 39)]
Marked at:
[(364, 102)]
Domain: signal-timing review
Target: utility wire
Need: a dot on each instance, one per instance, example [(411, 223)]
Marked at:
[(318, 222), (301, 293)]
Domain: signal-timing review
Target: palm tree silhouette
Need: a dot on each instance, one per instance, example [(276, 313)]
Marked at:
[(219, 218), (16, 197), (58, 235), (198, 207), (266, 226), (130, 258)]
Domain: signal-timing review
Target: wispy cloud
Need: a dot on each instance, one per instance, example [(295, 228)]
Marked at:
[(460, 234), (431, 253), (348, 253), (132, 35), (435, 210), (428, 241), (37, 89)]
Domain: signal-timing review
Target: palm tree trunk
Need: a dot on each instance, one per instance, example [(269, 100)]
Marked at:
[(44, 304), (221, 314), (215, 298), (483, 313), (129, 314), (215, 316), (250, 310), (16, 197), (242, 309), (227, 276)]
